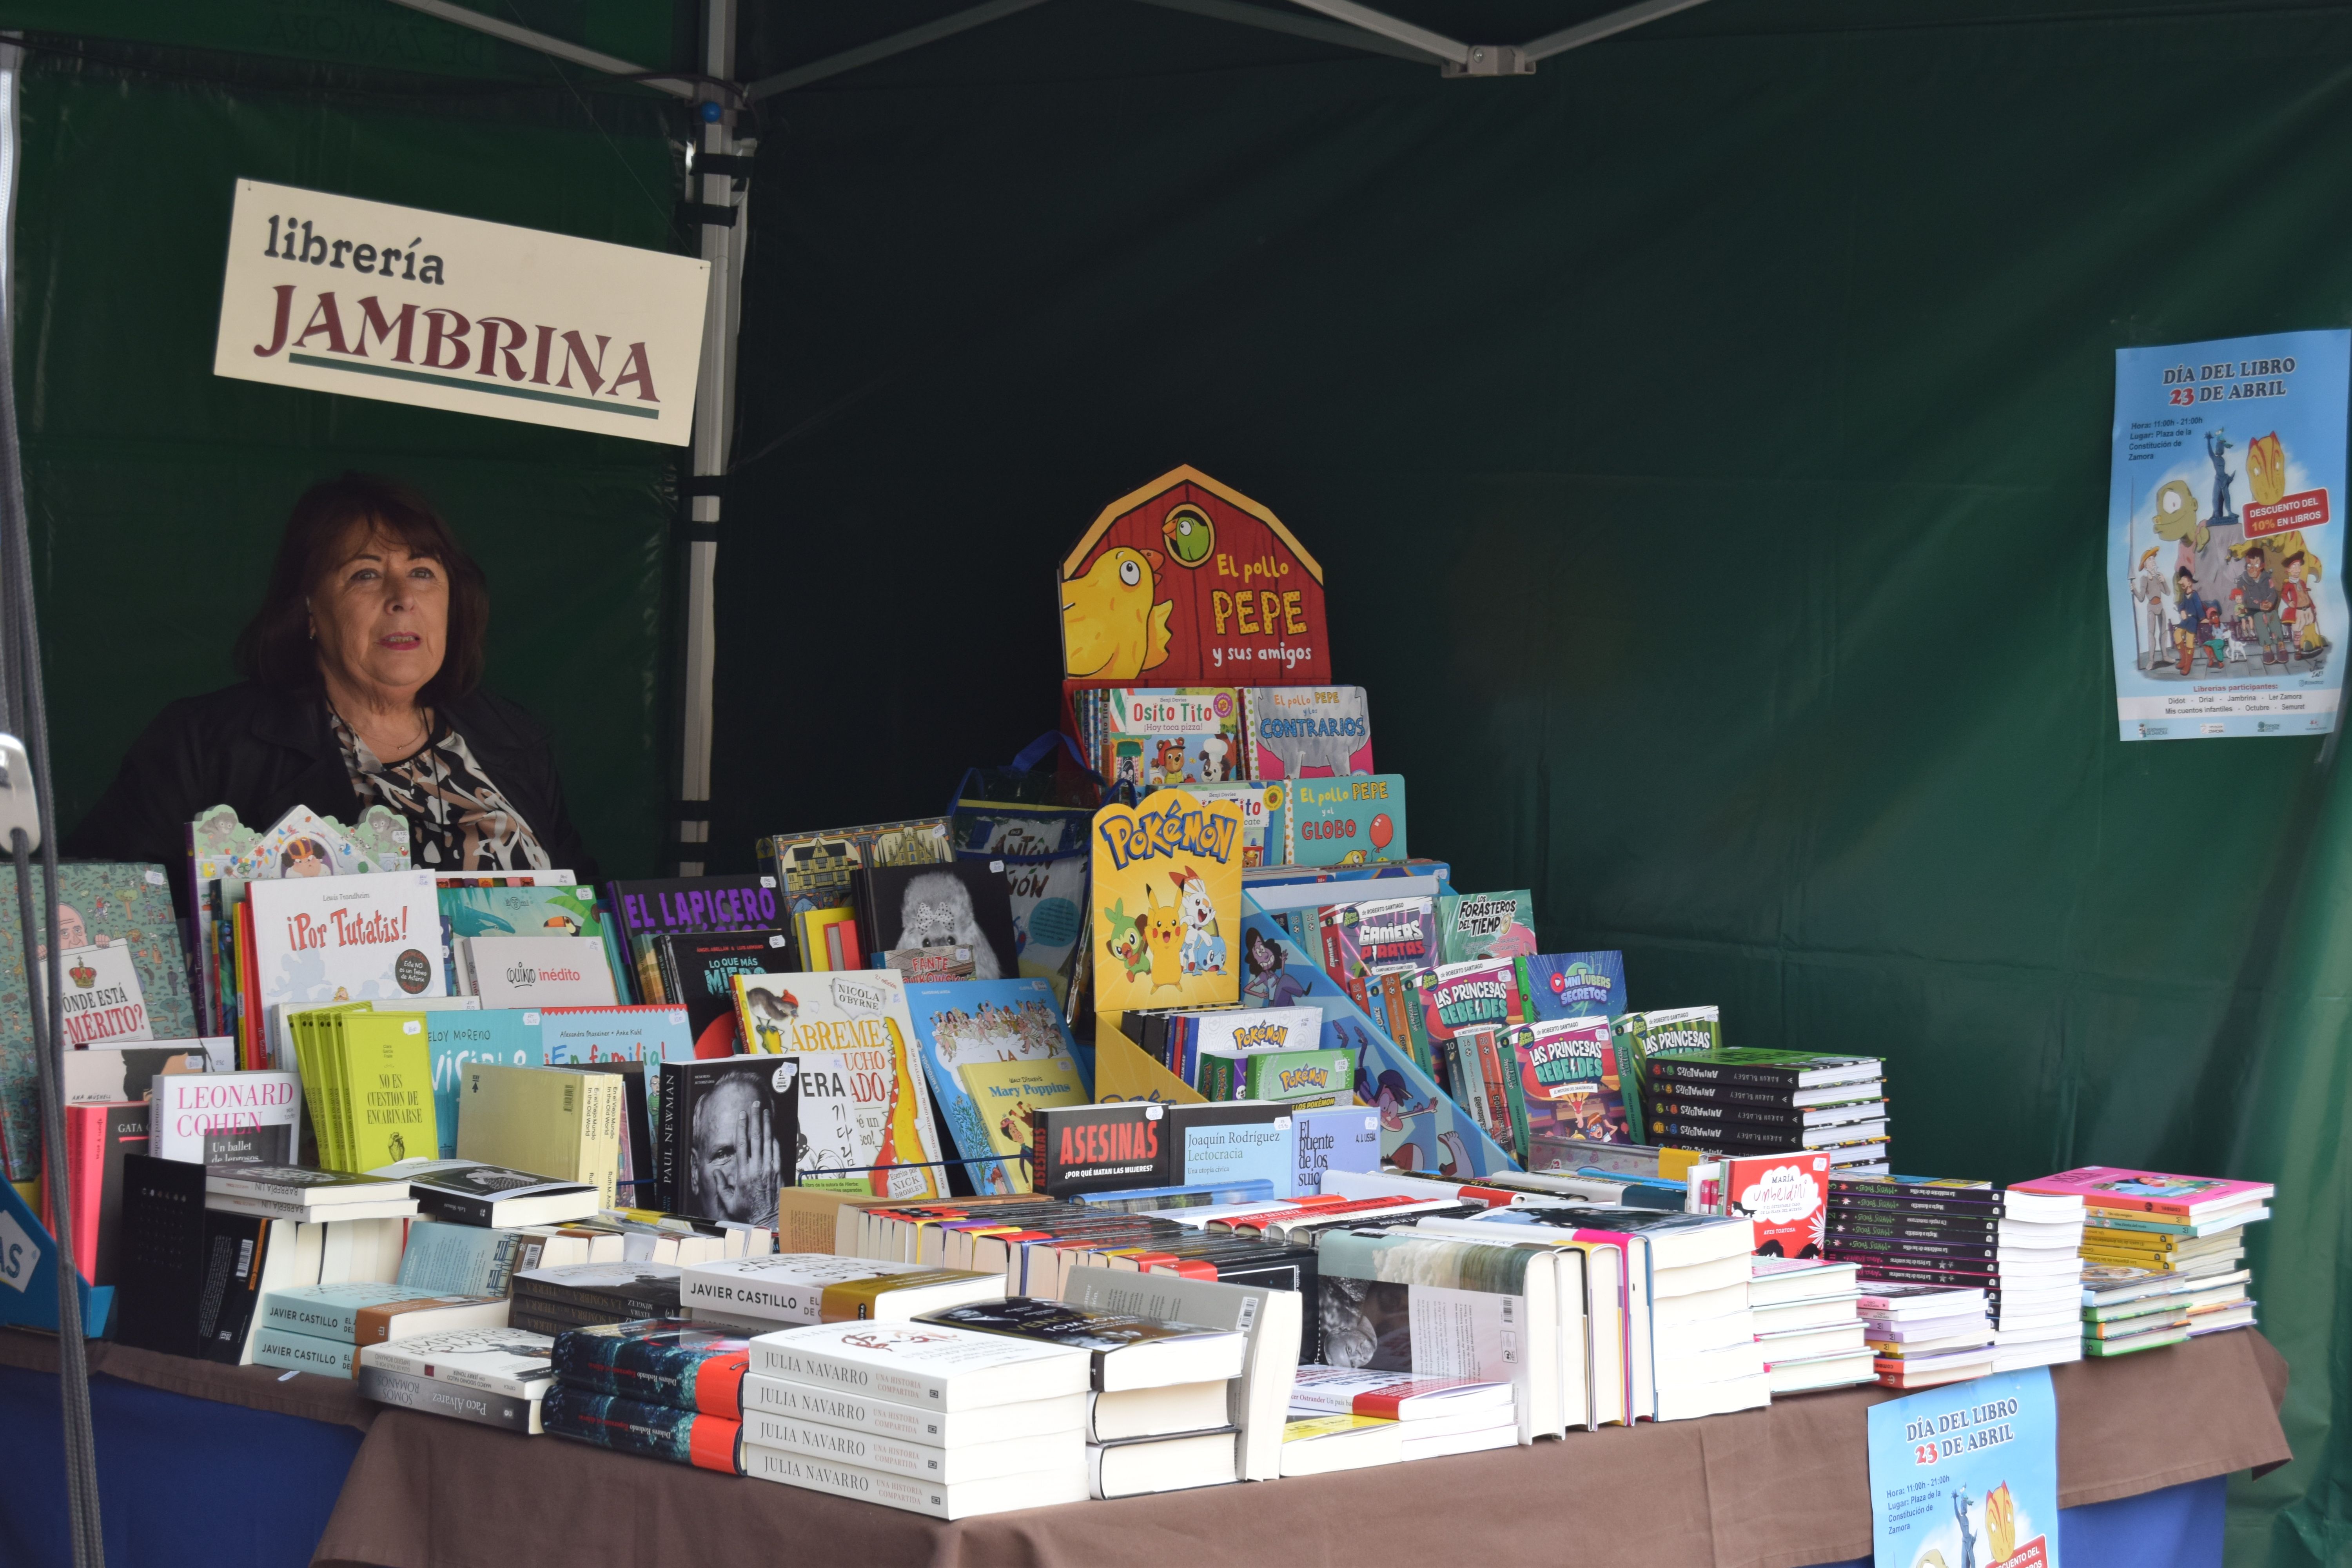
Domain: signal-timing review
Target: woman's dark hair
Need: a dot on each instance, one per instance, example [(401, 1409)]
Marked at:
[(331, 521)]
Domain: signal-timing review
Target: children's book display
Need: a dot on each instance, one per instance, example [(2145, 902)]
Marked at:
[(803, 1174)]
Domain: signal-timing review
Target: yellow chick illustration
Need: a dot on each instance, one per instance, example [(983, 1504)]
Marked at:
[(2266, 468), (1111, 630)]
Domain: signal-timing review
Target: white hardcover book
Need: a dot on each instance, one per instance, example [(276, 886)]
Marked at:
[(929, 1365), (1043, 1488), (874, 1451), (933, 1428), (500, 1360), (375, 937), (1258, 1401), (792, 1288), (541, 971)]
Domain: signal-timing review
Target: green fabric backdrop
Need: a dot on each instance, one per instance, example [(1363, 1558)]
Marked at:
[(1706, 442), (157, 491)]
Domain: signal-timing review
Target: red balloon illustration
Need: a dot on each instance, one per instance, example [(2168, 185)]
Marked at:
[(1383, 831)]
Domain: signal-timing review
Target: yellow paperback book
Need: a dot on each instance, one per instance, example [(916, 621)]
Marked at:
[(389, 1068), (1167, 902), (1009, 1095)]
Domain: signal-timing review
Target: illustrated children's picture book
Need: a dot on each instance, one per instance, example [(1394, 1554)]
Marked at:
[(1156, 736), (1251, 798), (367, 938), (865, 1115), (1336, 822), (1564, 1080), (1573, 984), (1189, 582), (1043, 852), (972, 1034), (1485, 925), (553, 909), (1167, 902), (1308, 731)]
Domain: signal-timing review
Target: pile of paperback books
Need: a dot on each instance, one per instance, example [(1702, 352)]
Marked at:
[(2164, 1255)]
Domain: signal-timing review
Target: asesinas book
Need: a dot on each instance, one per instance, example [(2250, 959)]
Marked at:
[(865, 1115), (334, 939)]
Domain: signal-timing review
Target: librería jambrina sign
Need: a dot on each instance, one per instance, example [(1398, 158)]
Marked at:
[(335, 294)]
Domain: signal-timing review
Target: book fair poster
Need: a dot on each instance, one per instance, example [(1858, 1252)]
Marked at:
[(2225, 558), (1967, 1476)]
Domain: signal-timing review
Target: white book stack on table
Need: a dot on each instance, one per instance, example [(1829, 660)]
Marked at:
[(1926, 1335), (1434, 1416), (1809, 1324), (936, 1420), (2038, 1312)]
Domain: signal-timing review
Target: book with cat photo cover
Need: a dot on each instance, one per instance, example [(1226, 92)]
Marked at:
[(958, 904)]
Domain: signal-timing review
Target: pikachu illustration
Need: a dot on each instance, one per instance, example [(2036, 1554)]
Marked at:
[(1164, 933), (2266, 468)]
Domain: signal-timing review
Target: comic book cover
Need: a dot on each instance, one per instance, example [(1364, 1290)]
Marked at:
[(1567, 1082), (1377, 937), (1481, 994), (1167, 894), (2225, 566), (1574, 984), (1308, 731), (1485, 925), (1338, 822), (1671, 1032), (1190, 582), (1157, 736), (866, 1115)]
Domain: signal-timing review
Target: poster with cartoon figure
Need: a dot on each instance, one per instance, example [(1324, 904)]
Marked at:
[(1966, 1475), (2225, 565)]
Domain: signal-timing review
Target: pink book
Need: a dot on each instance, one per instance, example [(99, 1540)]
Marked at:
[(2190, 1198)]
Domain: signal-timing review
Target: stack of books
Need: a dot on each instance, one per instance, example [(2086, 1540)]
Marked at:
[(1130, 1355), (495, 1377), (1742, 1101), (2165, 1254), (1924, 1335), (932, 1419), (1808, 1325), (1434, 1416), (2019, 1247), (792, 1288), (582, 1295), (662, 1389), (322, 1328)]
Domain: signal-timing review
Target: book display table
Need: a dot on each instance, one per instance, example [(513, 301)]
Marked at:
[(2142, 1444)]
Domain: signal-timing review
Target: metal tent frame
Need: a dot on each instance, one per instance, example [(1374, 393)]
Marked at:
[(720, 188)]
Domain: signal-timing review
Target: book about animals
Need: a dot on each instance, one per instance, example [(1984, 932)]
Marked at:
[(1567, 1082), (1308, 731), (959, 904), (1485, 925), (123, 912), (1338, 822), (539, 909), (1189, 582), (1167, 902), (1573, 984), (866, 1111), (1156, 736)]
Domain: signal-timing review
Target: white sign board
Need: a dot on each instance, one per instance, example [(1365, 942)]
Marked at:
[(335, 294)]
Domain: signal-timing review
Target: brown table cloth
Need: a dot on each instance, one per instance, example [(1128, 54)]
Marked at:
[(1781, 1488), (331, 1399)]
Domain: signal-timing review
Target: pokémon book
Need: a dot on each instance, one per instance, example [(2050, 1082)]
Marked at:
[(1167, 899)]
